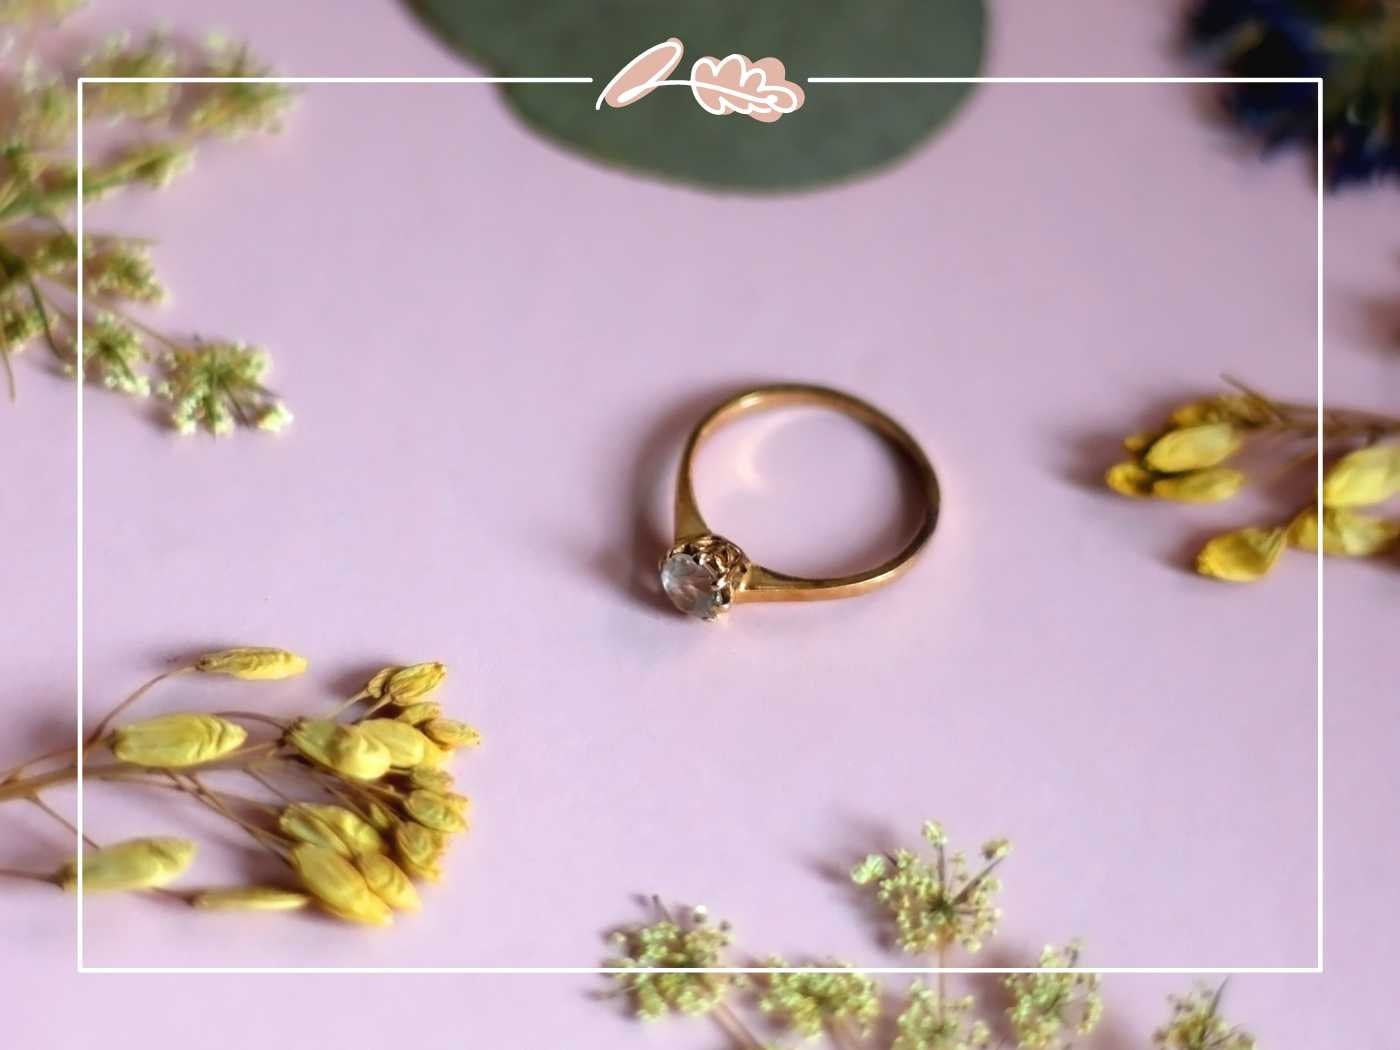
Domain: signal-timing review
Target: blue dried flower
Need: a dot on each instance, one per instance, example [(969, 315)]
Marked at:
[(1354, 45)]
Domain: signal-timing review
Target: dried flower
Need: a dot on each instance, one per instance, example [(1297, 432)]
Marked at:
[(403, 686), (116, 355), (406, 745), (811, 1002), (935, 905), (698, 944), (1183, 462), (252, 662), (250, 898), (1196, 1024), (178, 740), (451, 734), (233, 110), (333, 827), (435, 812), (338, 886), (139, 100), (135, 864), (346, 749), (1049, 1009), (388, 882), (419, 850), (417, 714), (216, 385), (931, 1022)]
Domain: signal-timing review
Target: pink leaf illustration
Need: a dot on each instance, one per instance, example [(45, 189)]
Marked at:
[(735, 85), (643, 75)]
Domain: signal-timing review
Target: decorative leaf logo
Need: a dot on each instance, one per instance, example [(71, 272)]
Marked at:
[(733, 84)]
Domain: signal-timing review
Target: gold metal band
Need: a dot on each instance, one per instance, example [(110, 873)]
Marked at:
[(737, 578)]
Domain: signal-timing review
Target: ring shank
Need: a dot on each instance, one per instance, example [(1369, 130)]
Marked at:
[(762, 584)]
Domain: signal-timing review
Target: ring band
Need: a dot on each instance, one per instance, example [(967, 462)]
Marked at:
[(704, 573)]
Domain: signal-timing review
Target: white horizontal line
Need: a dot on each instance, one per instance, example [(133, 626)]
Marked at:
[(620, 970), (1064, 80), (335, 80)]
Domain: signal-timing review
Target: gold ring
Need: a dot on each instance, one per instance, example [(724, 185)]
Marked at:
[(703, 573)]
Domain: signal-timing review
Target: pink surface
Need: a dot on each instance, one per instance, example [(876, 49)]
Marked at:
[(490, 397)]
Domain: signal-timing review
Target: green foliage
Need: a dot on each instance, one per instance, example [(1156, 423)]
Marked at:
[(843, 130)]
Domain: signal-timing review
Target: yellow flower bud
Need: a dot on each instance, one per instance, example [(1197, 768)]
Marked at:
[(1344, 532), (451, 733), (1190, 448), (252, 662), (1243, 555), (388, 882), (435, 812), (1135, 443), (1223, 408), (438, 780), (332, 827), (1210, 485), (1130, 478), (379, 817), (172, 741), (1361, 478), (250, 898), (338, 886), (405, 685), (343, 748), (136, 864), (417, 714), (419, 849), (405, 743), (435, 757)]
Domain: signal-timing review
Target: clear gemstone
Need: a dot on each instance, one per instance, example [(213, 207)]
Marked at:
[(692, 588)]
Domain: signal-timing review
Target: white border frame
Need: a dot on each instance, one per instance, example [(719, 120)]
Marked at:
[(80, 384)]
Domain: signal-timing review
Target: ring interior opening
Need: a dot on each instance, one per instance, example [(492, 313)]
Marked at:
[(808, 491)]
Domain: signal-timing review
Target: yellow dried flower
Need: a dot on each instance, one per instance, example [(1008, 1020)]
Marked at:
[(1210, 485), (438, 780), (1222, 408), (388, 882), (136, 864), (250, 898), (1243, 555), (405, 743), (338, 885), (417, 714), (405, 685), (451, 734), (1130, 478), (333, 827), (433, 811), (419, 849), (252, 662), (173, 741), (1344, 531), (1193, 447), (343, 748), (1361, 478), (379, 817), (434, 758), (1135, 443)]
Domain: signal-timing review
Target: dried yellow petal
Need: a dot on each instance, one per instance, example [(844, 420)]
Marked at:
[(332, 827), (379, 817), (338, 885), (405, 743), (1130, 478), (1210, 485), (419, 849), (433, 811), (250, 898), (343, 748), (451, 734), (405, 685), (1194, 447), (172, 741), (1243, 555), (417, 714), (1361, 478), (1344, 531), (136, 864), (388, 882), (438, 780), (252, 662)]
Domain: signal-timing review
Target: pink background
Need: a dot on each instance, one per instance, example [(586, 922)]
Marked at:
[(494, 347)]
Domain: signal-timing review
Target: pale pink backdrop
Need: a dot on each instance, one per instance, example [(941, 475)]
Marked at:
[(490, 396)]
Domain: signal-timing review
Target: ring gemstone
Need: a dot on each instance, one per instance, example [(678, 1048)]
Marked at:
[(701, 575)]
